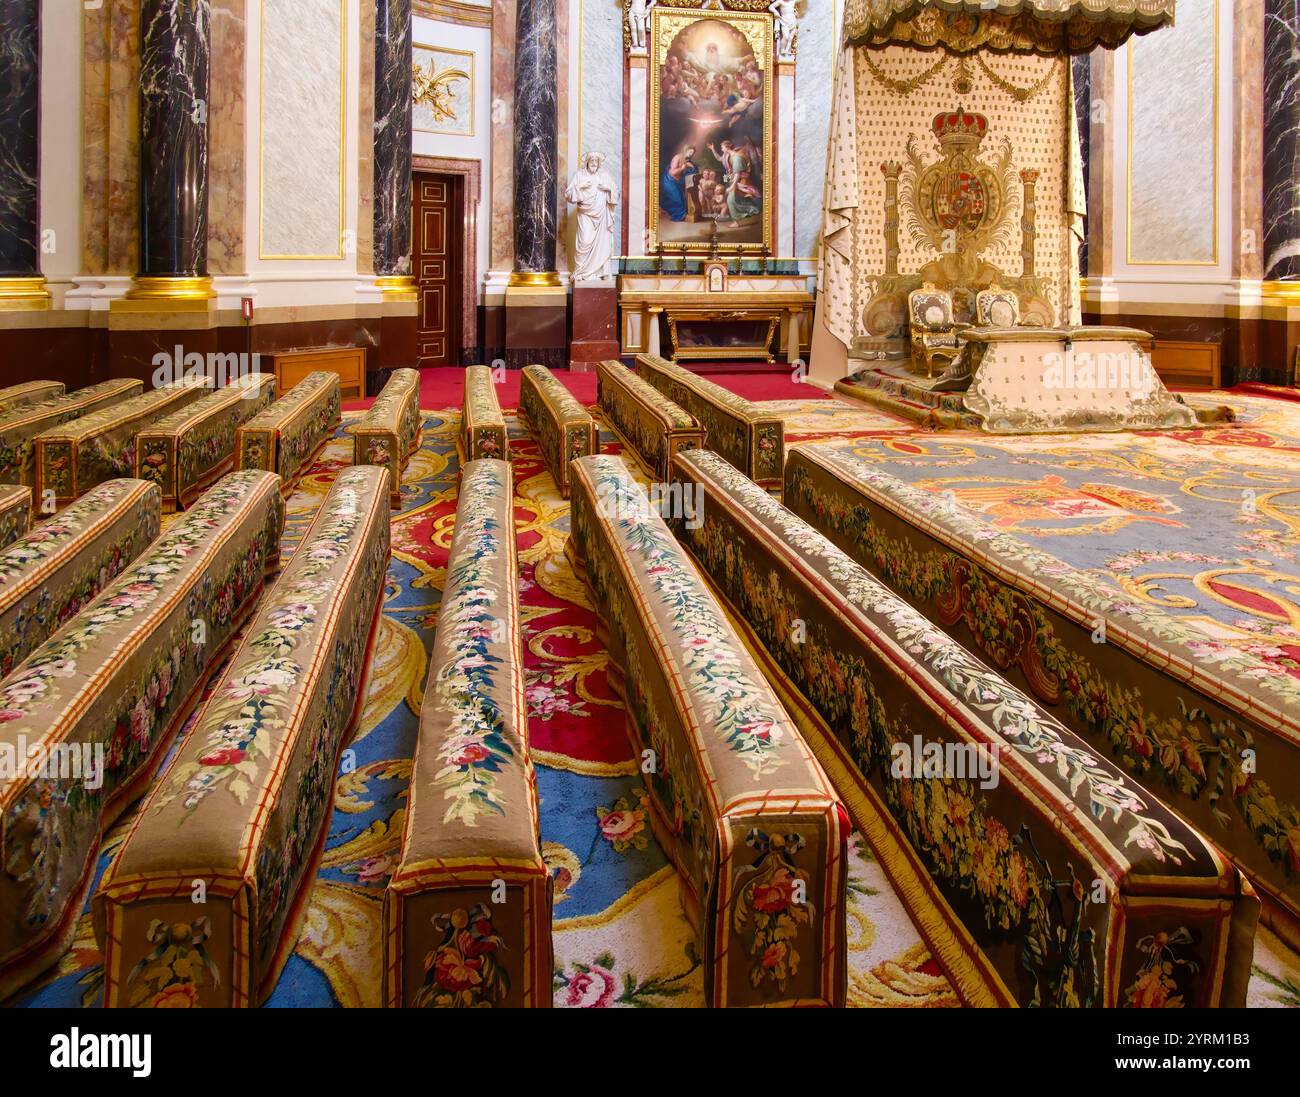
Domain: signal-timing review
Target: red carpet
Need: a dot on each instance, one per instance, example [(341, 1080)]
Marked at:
[(1259, 388), (444, 387)]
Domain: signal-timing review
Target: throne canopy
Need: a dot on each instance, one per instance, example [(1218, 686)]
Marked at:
[(1021, 26)]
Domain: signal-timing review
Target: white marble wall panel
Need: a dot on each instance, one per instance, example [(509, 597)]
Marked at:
[(814, 79), (600, 91), (303, 80), (787, 111), (637, 196), (1172, 147)]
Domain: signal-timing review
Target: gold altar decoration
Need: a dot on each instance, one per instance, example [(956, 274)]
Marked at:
[(1023, 26)]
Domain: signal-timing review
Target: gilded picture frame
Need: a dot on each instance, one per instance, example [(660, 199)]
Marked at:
[(711, 111)]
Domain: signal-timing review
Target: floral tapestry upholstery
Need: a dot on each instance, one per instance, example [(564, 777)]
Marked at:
[(284, 437), (1062, 872), (751, 438), (467, 913), (1214, 731), (103, 697), (390, 431), (15, 512), (654, 427), (482, 426), (19, 428), (562, 427), (186, 451), (244, 805), (72, 458), (47, 576), (738, 801), (33, 392)]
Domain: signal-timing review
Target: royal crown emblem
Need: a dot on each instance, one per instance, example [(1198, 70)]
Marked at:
[(957, 130), (959, 206)]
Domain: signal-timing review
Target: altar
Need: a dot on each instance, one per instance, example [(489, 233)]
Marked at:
[(714, 315)]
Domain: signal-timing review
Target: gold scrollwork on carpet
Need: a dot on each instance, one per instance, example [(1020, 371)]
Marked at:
[(572, 668)]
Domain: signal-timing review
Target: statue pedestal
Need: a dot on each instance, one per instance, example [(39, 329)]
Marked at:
[(595, 325)]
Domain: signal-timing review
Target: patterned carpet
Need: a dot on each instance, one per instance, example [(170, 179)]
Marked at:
[(1201, 523), (620, 936)]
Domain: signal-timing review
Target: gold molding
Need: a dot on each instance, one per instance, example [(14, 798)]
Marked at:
[(24, 294), (398, 287), (167, 293), (1128, 166), (1280, 293), (453, 11), (261, 136), (534, 279), (473, 90)]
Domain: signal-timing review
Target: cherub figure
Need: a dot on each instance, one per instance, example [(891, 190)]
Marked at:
[(787, 26), (638, 21)]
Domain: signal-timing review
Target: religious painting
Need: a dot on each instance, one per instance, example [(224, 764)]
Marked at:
[(711, 165), (442, 91)]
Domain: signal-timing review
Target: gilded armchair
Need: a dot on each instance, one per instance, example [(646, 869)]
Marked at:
[(933, 328), (996, 307)]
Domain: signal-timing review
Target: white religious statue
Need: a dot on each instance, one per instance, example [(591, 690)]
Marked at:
[(787, 27), (638, 21), (593, 192)]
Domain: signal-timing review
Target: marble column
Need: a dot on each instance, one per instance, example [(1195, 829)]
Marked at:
[(174, 104), (537, 312), (21, 284), (392, 156), (1082, 72), (1282, 141), (536, 132)]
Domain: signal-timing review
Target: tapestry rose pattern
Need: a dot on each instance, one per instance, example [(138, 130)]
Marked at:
[(978, 856), (478, 743), (51, 824), (1193, 751)]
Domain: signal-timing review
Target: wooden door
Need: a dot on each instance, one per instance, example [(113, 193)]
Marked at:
[(439, 225)]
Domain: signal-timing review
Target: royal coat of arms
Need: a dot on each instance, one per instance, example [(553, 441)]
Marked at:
[(959, 206)]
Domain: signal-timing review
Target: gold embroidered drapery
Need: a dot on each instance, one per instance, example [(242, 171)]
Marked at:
[(1023, 26)]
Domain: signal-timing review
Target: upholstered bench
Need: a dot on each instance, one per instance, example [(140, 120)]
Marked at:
[(1215, 733), (390, 431), (741, 806), (750, 438), (472, 892), (72, 458), (482, 426), (47, 575), (187, 450), (562, 427), (649, 422), (33, 392), (286, 436), (102, 698), (19, 427), (243, 811), (15, 512), (1038, 873)]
